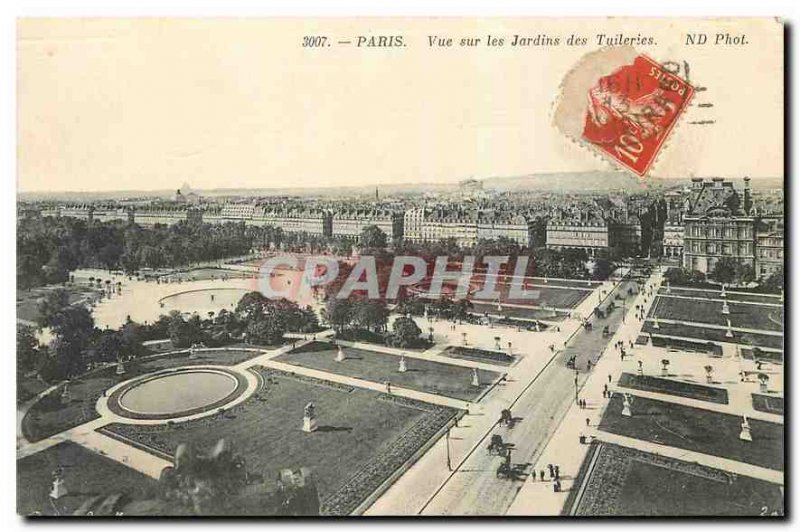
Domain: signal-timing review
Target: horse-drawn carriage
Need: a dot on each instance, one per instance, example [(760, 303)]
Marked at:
[(496, 445)]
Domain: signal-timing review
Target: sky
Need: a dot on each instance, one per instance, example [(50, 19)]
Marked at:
[(151, 104)]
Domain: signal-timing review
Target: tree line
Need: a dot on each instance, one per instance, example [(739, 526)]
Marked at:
[(78, 344)]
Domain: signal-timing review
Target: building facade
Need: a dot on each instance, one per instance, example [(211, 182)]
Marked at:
[(350, 223), (590, 236), (718, 224)]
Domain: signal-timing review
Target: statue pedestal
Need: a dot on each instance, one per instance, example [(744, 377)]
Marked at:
[(120, 369), (309, 424), (340, 355), (626, 410), (745, 434)]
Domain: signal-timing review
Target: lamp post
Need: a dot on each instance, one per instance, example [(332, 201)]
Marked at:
[(447, 447), (576, 386)]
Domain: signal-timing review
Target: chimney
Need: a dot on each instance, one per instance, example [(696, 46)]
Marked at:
[(697, 183), (748, 199)]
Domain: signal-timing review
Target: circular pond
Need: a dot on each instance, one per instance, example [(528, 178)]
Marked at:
[(176, 394)]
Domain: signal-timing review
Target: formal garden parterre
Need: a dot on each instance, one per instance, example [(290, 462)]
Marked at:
[(689, 390), (620, 481), (362, 439), (714, 335), (693, 429), (746, 316), (56, 413), (88, 475), (422, 375)]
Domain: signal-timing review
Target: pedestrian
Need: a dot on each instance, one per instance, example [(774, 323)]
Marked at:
[(551, 470), (541, 475), (388, 387), (604, 394), (557, 473), (609, 378), (587, 421)]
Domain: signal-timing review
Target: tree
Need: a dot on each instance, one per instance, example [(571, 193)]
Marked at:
[(682, 276), (184, 333), (774, 283), (405, 332), (28, 351), (50, 305), (108, 346), (252, 304), (372, 237), (602, 269), (338, 313), (371, 315), (265, 331), (724, 270)]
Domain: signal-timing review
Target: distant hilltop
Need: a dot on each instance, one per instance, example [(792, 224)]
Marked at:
[(573, 182)]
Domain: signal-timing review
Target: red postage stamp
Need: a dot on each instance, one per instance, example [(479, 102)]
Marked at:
[(632, 111)]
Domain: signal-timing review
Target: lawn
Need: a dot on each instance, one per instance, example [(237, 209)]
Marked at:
[(528, 313), (701, 347), (715, 335), (550, 296), (697, 430), (768, 356), (51, 415), (628, 482), (28, 300), (576, 283), (422, 375), (731, 297), (768, 404), (479, 355), (681, 389), (86, 475), (744, 316), (363, 436)]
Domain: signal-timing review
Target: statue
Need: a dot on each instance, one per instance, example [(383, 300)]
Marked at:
[(745, 435), (59, 489), (339, 354), (476, 380), (402, 368), (309, 418), (626, 405)]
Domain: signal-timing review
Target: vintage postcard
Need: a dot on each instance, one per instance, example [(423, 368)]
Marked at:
[(400, 267)]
